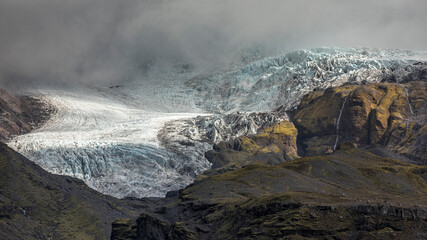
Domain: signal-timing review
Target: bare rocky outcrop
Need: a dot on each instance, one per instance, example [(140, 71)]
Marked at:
[(272, 145), (19, 115), (191, 138), (404, 213)]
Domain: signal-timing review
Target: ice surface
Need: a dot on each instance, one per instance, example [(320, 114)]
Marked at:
[(110, 137), (111, 145), (283, 80)]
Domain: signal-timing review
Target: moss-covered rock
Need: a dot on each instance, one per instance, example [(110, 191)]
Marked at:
[(276, 218), (35, 204), (349, 194), (391, 115), (274, 144), (124, 229)]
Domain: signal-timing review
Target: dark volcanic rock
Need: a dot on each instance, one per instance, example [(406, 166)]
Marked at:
[(21, 115), (350, 194), (393, 211), (35, 204)]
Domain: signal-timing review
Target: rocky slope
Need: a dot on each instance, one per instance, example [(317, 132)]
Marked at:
[(35, 204), (351, 194), (20, 115), (273, 145)]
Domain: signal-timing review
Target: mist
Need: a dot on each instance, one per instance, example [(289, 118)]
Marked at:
[(106, 41)]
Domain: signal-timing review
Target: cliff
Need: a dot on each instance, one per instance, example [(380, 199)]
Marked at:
[(386, 114)]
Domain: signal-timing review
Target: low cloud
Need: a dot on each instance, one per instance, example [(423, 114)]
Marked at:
[(104, 41)]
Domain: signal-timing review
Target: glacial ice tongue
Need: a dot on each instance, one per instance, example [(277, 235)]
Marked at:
[(110, 144), (122, 169), (148, 135)]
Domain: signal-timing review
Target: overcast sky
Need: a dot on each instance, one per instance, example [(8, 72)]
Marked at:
[(103, 40)]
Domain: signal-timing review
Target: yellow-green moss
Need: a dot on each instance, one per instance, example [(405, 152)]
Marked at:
[(76, 222), (282, 128), (248, 145), (273, 148)]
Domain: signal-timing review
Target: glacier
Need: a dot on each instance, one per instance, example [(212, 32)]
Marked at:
[(109, 144), (148, 135), (282, 80)]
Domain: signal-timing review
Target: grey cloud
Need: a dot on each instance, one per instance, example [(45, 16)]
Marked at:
[(54, 41)]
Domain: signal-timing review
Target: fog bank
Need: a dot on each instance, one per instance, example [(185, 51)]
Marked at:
[(106, 41)]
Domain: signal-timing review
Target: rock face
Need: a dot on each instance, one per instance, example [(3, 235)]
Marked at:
[(224, 127), (196, 136), (21, 115), (387, 114), (273, 145), (350, 194)]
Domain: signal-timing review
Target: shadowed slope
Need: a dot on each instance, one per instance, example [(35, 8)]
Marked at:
[(35, 204), (20, 115), (351, 194)]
